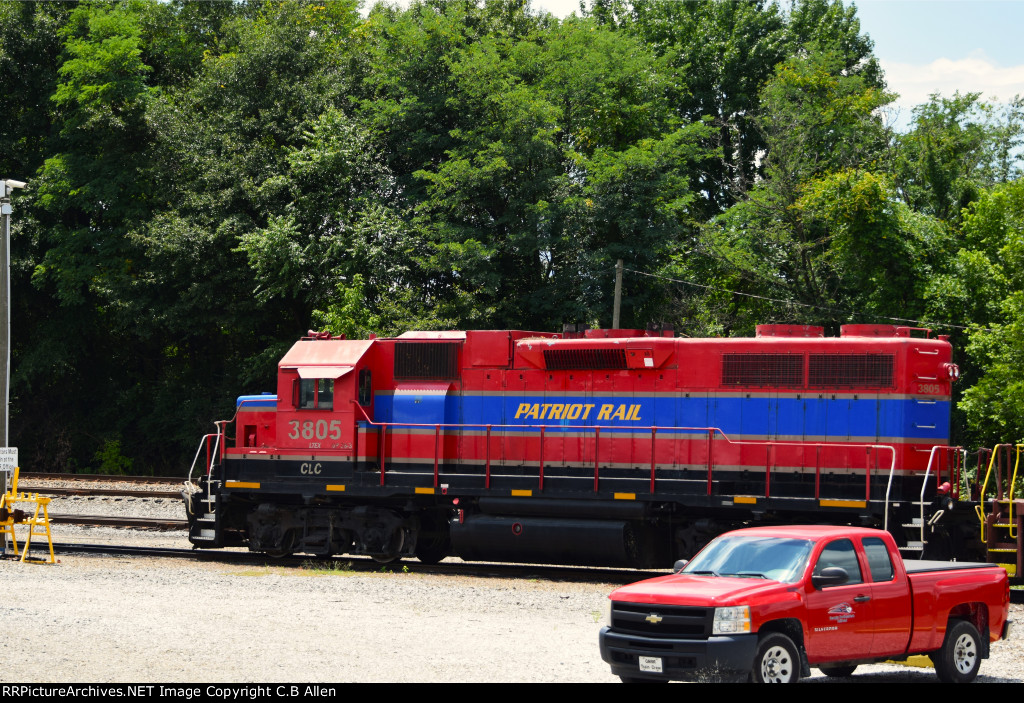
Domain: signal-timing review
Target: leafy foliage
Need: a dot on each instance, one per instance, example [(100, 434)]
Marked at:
[(208, 180)]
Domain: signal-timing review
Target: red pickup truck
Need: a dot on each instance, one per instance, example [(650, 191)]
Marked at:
[(772, 602)]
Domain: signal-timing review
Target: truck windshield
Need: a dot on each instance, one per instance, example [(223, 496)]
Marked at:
[(776, 558)]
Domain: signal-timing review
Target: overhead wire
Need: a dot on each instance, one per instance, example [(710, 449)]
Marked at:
[(919, 323)]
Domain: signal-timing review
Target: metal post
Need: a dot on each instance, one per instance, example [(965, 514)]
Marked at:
[(6, 187), (5, 292), (618, 294)]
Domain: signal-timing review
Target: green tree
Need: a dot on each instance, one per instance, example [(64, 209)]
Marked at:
[(982, 285), (520, 149), (220, 169), (89, 192), (825, 228), (721, 54), (30, 45), (958, 146)]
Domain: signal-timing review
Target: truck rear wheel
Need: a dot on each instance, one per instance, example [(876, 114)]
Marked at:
[(960, 657), (777, 660)]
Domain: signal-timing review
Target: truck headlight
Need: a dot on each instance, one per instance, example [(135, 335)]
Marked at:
[(606, 613), (732, 620)]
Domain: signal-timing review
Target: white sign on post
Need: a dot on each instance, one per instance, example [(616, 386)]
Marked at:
[(8, 458), (8, 463)]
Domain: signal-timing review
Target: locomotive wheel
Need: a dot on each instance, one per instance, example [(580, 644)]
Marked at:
[(432, 547), (285, 549), (393, 548), (431, 553), (432, 539)]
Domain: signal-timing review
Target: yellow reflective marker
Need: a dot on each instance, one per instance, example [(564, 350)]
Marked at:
[(843, 503)]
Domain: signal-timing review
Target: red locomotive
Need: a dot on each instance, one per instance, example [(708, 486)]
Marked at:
[(602, 447)]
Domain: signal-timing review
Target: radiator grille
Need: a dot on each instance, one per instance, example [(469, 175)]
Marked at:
[(569, 359), (420, 361), (661, 620), (850, 370), (780, 370)]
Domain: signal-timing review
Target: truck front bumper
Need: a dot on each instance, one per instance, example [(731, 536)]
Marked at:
[(680, 659)]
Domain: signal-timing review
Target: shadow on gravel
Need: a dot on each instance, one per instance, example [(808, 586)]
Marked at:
[(907, 676)]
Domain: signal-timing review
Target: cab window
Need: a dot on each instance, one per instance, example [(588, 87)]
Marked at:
[(315, 393), (365, 387), (840, 553), (879, 562)]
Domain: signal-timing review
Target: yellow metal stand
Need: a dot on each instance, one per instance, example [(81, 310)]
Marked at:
[(38, 526), (7, 513)]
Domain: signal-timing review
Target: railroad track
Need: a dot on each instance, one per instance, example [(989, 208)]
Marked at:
[(129, 493), (102, 488), (36, 483), (99, 478), (147, 523), (580, 574)]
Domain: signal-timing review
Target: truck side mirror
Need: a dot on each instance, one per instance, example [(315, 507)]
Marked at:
[(679, 565), (830, 576)]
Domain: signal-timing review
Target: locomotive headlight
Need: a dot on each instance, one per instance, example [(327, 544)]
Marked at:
[(731, 621)]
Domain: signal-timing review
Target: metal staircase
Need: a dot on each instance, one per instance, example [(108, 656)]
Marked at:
[(924, 519), (1002, 528), (202, 496)]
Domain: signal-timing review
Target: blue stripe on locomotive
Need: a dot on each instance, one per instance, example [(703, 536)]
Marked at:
[(251, 402), (758, 416)]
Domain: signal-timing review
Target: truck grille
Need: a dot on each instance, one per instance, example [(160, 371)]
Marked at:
[(662, 620)]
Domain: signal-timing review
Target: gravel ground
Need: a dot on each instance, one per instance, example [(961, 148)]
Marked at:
[(101, 619)]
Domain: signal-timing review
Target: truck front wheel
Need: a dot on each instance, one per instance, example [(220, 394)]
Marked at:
[(960, 657), (777, 660)]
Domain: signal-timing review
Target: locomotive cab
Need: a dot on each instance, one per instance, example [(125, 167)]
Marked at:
[(318, 388)]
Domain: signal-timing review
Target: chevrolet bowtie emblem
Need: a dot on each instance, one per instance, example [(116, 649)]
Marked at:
[(654, 618)]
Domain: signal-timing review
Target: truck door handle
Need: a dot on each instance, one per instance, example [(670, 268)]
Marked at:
[(861, 599)]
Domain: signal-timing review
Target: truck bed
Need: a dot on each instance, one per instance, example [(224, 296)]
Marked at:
[(914, 566)]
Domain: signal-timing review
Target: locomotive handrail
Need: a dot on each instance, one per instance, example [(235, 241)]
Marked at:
[(222, 424), (1013, 486), (654, 429), (205, 441), (979, 509), (924, 484)]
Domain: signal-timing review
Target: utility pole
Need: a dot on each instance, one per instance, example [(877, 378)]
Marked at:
[(618, 294), (6, 188)]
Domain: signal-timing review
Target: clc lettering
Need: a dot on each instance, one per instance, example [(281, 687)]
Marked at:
[(307, 468)]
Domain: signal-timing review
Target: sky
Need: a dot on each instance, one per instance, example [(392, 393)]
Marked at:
[(928, 46)]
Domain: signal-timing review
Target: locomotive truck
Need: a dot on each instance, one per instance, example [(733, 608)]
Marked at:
[(628, 448)]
